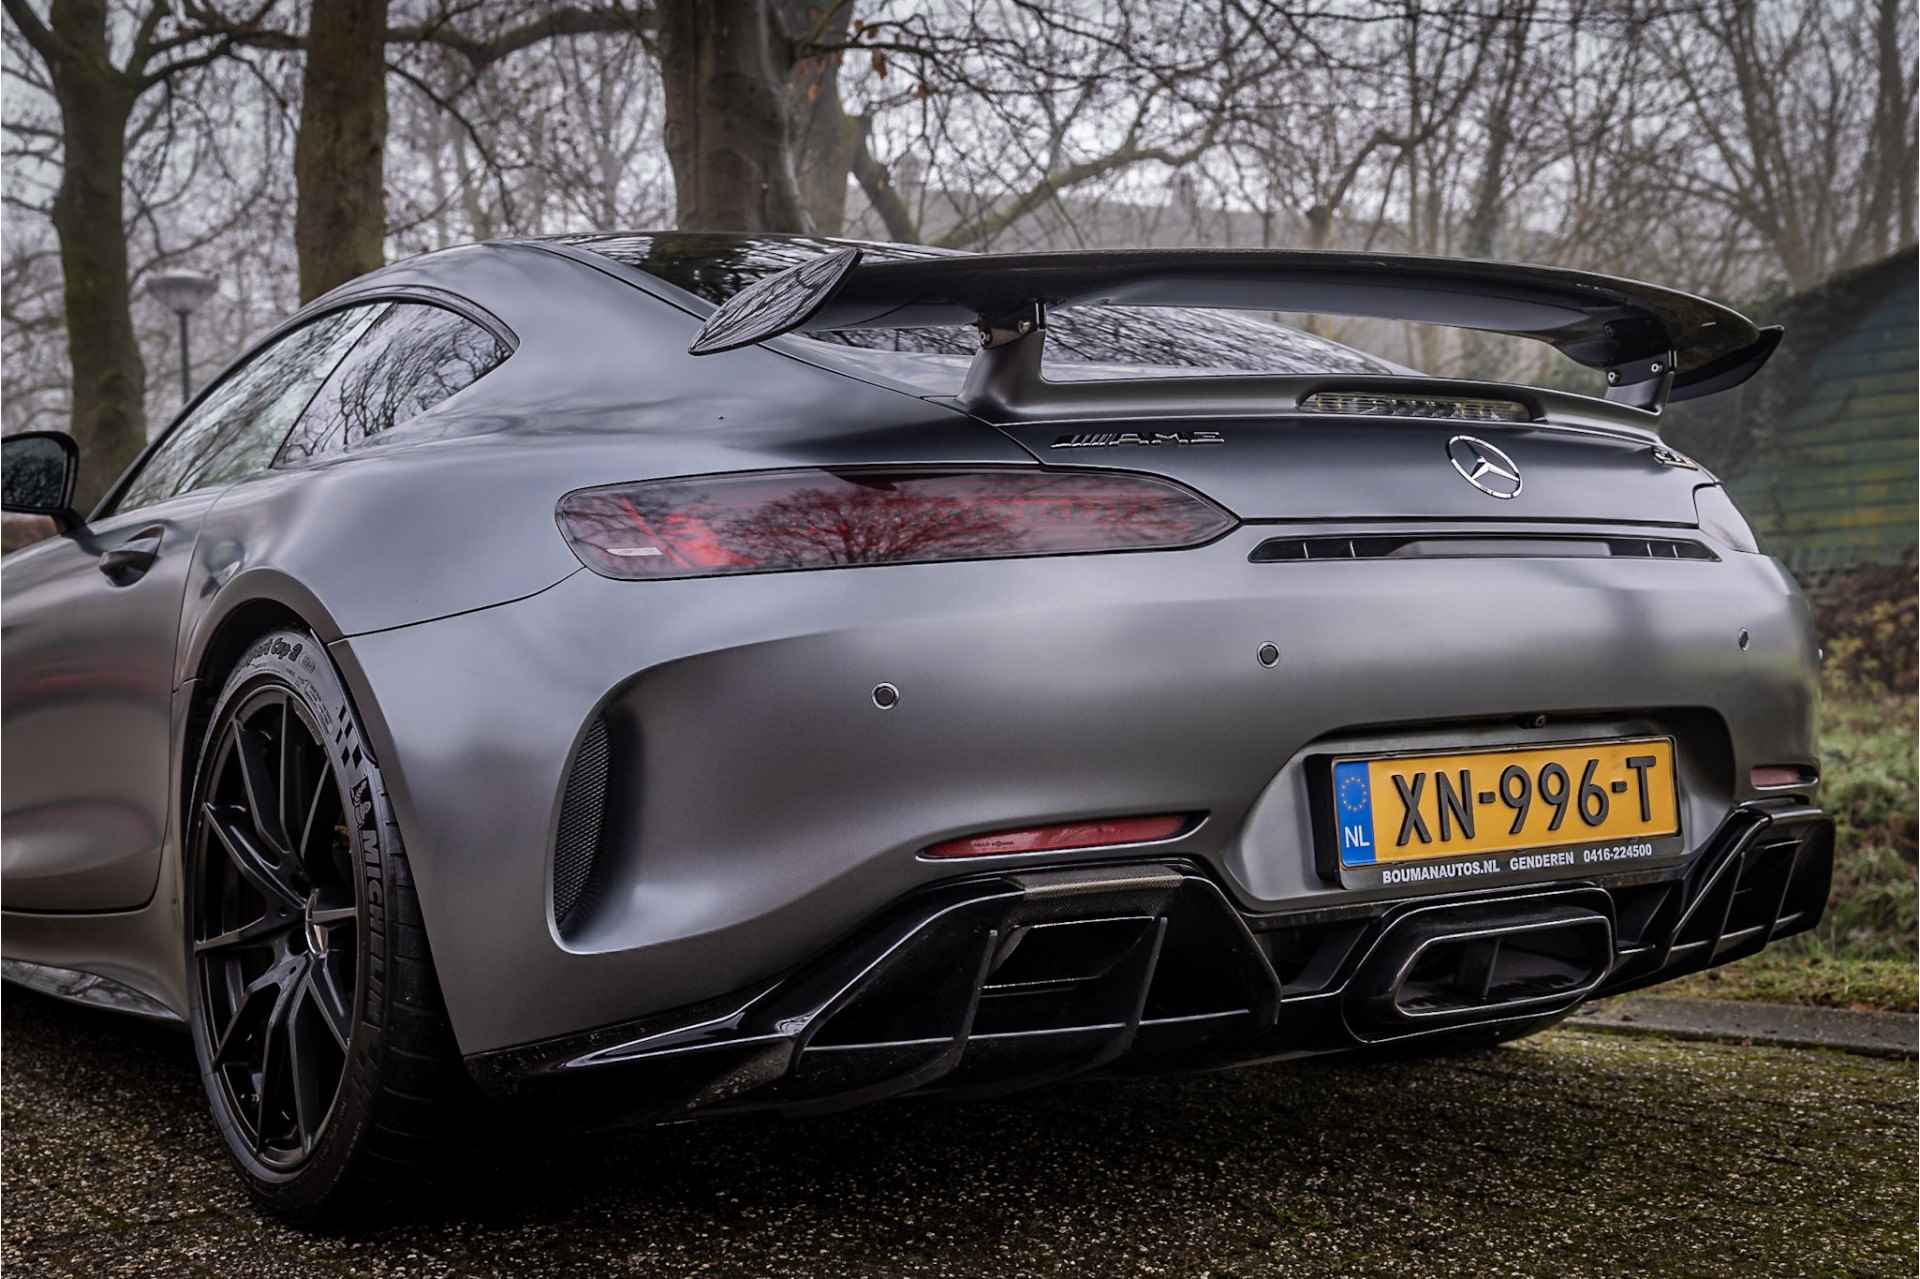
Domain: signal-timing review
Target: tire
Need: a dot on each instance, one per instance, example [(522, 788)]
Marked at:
[(317, 1020)]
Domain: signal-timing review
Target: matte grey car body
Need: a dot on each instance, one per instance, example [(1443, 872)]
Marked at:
[(759, 813)]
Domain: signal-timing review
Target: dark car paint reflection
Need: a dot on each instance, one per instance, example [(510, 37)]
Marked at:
[(716, 267)]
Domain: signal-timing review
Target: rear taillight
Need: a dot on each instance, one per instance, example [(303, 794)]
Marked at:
[(1053, 839), (1776, 776), (768, 521)]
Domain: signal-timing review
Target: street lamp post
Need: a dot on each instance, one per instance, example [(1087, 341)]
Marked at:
[(182, 292)]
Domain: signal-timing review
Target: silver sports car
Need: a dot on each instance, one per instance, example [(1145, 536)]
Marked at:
[(663, 674)]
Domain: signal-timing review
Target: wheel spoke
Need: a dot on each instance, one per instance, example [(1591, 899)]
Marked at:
[(283, 778), (256, 776), (309, 1108), (313, 814), (255, 1002), (247, 859), (273, 1045), (335, 1012), (256, 933)]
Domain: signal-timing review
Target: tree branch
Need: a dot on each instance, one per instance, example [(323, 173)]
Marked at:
[(481, 54), (45, 43), (1051, 185)]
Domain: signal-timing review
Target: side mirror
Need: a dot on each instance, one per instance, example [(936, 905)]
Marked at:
[(38, 470)]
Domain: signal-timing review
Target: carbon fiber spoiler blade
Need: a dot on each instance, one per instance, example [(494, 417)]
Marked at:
[(1655, 344)]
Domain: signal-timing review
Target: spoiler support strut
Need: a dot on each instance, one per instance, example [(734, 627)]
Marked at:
[(1642, 384)]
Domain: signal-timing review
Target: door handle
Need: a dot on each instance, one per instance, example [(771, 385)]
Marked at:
[(128, 562)]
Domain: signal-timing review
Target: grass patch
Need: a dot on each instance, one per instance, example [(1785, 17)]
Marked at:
[(1786, 974), (1863, 954), (1869, 765)]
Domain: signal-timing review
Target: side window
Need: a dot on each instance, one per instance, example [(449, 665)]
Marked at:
[(412, 359), (237, 429)]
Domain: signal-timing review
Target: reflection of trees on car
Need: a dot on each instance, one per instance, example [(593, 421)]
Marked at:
[(33, 478), (823, 519), (412, 358), (862, 525), (236, 428), (716, 267), (405, 379)]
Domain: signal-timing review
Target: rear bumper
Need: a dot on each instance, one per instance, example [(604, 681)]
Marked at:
[(1002, 982), (759, 807)]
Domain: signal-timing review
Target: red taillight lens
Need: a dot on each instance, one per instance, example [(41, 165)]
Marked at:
[(1053, 839), (1767, 776), (766, 521)]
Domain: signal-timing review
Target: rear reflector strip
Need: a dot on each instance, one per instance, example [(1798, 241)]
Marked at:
[(1446, 407), (1776, 776), (1054, 839)]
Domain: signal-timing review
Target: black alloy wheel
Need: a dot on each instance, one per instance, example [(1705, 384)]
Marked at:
[(275, 923), (317, 1019)]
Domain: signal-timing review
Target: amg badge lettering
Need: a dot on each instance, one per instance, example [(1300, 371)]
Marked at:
[(1148, 439)]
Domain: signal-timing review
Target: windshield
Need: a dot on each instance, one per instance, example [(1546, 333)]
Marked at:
[(716, 267)]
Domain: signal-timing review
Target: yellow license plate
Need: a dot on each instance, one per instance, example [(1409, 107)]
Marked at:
[(1407, 807)]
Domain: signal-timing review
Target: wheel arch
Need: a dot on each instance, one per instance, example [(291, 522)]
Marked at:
[(257, 602), (250, 606)]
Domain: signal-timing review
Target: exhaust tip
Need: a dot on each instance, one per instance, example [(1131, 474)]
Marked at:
[(1442, 967)]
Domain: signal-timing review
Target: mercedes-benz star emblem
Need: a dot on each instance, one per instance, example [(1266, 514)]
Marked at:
[(1484, 466)]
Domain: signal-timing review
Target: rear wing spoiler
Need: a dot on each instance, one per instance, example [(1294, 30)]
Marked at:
[(1654, 344)]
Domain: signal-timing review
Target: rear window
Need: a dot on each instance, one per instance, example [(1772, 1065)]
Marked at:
[(716, 267), (413, 357)]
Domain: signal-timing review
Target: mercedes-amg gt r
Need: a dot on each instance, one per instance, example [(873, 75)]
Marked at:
[(669, 674)]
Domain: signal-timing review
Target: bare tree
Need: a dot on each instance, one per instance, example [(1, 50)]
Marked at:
[(997, 110), (341, 222), (96, 97), (823, 136), (728, 131), (1790, 112), (1893, 155), (1730, 146), (338, 162)]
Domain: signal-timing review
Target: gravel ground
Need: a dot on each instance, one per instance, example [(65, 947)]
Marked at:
[(1568, 1154)]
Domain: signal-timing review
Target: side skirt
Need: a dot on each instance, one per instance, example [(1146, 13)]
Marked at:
[(90, 989)]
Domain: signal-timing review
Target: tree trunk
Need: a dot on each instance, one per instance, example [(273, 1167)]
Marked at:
[(824, 135), (727, 131), (340, 221), (877, 184), (1490, 189), (1481, 355), (1319, 226), (109, 378), (1890, 206), (479, 216)]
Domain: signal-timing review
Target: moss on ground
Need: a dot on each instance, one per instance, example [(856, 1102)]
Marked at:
[(1787, 975), (1570, 1154)]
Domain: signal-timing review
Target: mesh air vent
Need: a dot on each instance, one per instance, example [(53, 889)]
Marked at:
[(582, 814)]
